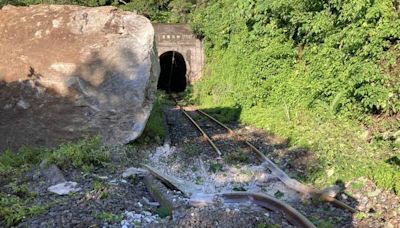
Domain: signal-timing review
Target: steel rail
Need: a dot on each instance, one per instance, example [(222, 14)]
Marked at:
[(259, 199), (203, 132), (263, 200), (205, 135), (291, 183), (217, 121), (269, 202)]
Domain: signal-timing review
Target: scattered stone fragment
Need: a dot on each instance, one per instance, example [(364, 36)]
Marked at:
[(132, 171), (7, 106), (23, 104), (147, 201), (64, 188), (143, 219), (332, 191), (100, 177), (52, 174)]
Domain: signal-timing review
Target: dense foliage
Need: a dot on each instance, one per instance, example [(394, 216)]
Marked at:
[(340, 55), (325, 74), (167, 11)]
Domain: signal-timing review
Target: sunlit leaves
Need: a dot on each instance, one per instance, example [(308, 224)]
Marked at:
[(330, 54)]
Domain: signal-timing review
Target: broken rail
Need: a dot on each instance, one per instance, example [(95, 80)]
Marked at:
[(198, 198), (275, 170)]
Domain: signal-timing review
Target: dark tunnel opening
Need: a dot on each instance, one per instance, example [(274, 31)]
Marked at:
[(173, 72)]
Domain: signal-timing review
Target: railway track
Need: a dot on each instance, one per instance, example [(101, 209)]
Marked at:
[(261, 199)]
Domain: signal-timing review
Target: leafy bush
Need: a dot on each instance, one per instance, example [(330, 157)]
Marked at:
[(14, 209), (317, 72), (307, 53), (14, 163), (171, 11), (16, 203)]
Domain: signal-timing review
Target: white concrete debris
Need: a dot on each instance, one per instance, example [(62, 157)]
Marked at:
[(23, 104), (133, 219), (162, 152), (132, 171), (64, 188), (7, 106)]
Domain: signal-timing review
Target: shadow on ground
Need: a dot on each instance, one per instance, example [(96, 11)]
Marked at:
[(298, 163), (99, 97)]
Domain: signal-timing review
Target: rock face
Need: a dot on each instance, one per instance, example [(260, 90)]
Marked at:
[(70, 71)]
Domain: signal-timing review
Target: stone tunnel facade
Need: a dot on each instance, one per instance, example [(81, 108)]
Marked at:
[(179, 38)]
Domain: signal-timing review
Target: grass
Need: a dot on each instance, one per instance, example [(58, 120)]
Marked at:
[(108, 216), (100, 191), (16, 207), (155, 129), (338, 143), (163, 212), (263, 225), (215, 167), (16, 201), (85, 155), (237, 157), (341, 103), (192, 150)]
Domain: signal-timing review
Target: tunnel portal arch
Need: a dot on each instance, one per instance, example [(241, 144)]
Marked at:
[(173, 75), (178, 38)]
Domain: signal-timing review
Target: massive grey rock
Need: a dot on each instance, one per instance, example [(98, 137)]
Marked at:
[(70, 71)]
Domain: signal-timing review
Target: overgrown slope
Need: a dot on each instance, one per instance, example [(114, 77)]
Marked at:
[(325, 74)]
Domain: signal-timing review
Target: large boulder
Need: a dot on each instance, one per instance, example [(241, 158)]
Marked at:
[(67, 72)]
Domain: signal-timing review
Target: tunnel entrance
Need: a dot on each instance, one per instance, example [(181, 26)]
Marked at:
[(173, 72)]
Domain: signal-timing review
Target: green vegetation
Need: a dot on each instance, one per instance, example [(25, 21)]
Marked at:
[(215, 167), (14, 164), (360, 215), (237, 157), (17, 206), (278, 194), (263, 225), (99, 191), (166, 11), (163, 212), (85, 155), (198, 180), (108, 216), (324, 224), (16, 201), (324, 74), (155, 128), (192, 150)]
